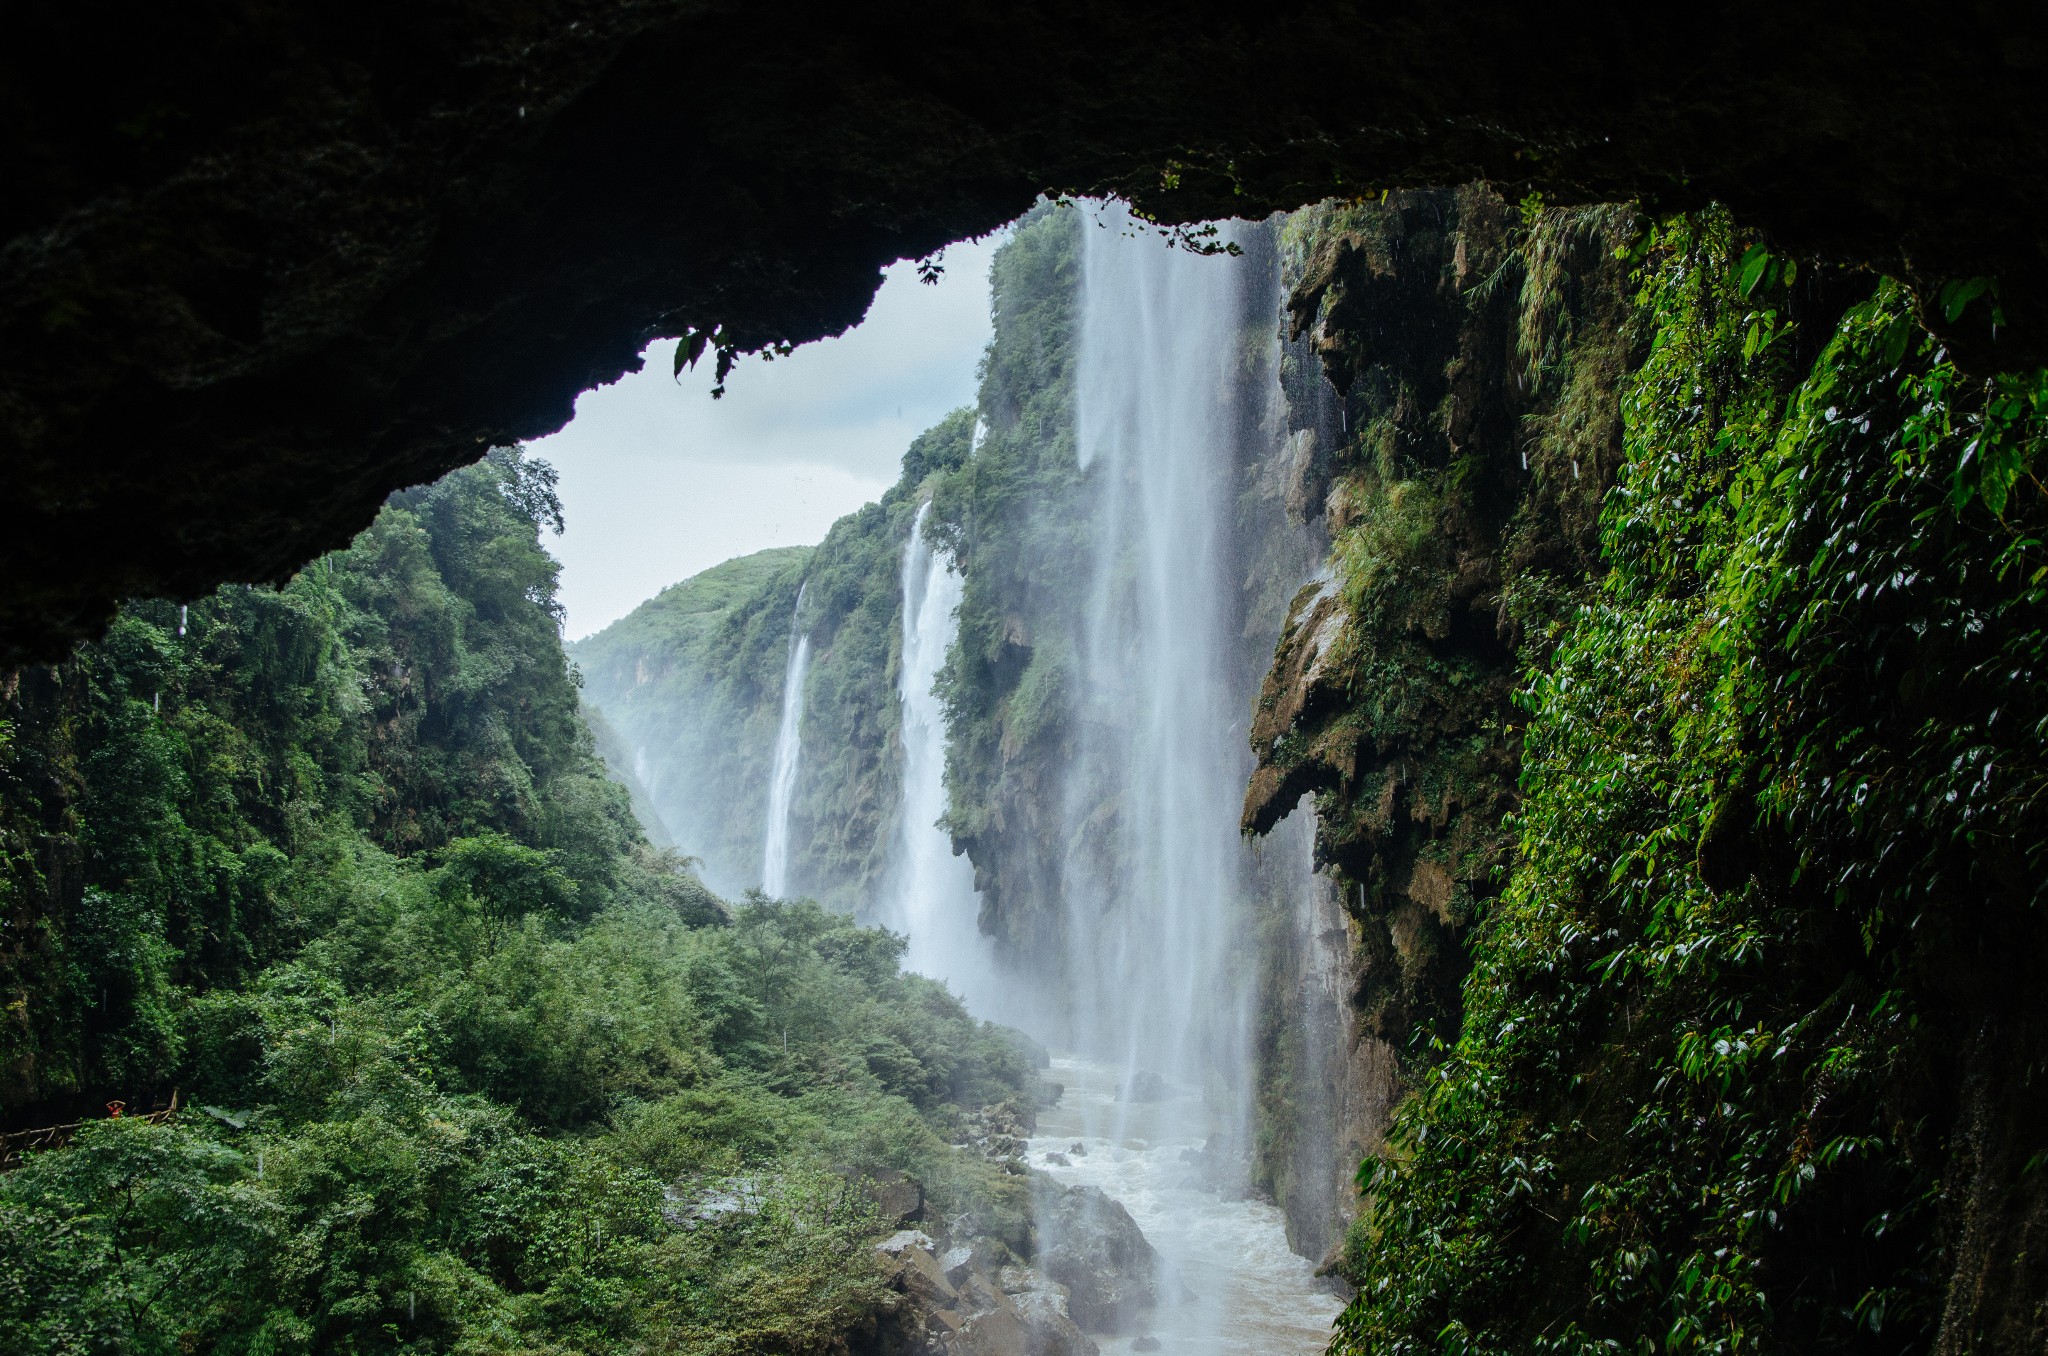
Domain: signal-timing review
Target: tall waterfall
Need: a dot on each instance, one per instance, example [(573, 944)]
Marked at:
[(934, 899), (1153, 889), (1159, 922), (788, 745)]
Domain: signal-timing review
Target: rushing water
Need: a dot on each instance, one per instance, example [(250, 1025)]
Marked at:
[(788, 747), (1228, 1284), (1153, 890), (931, 889), (1158, 888)]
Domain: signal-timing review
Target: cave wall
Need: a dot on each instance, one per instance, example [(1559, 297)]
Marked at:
[(263, 265)]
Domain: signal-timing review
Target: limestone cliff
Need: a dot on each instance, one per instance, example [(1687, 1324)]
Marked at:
[(1474, 353)]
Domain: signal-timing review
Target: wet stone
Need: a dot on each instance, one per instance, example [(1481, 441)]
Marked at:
[(1091, 1245), (1145, 1086)]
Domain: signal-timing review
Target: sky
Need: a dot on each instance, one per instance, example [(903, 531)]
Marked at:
[(660, 481)]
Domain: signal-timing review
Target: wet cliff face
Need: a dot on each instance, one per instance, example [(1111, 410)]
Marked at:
[(690, 683), (264, 265), (1718, 710), (1469, 425)]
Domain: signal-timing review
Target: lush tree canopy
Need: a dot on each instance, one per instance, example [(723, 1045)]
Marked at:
[(460, 1053)]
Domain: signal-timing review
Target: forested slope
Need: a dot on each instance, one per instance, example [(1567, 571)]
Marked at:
[(692, 682), (462, 1062)]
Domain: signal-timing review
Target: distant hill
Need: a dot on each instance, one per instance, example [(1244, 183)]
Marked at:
[(689, 687), (684, 688)]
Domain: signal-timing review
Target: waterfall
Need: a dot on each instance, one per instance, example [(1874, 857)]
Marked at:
[(932, 889), (1157, 891), (1153, 886), (788, 745)]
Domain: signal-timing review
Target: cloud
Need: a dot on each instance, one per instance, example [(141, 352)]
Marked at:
[(660, 481)]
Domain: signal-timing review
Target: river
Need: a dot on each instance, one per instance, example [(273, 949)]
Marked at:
[(1229, 1285)]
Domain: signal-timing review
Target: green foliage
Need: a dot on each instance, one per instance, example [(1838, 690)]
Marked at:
[(1016, 518), (692, 682), (1781, 787), (462, 1055)]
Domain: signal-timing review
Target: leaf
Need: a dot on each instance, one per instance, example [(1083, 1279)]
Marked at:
[(1896, 335), (1754, 261), (690, 349), (1958, 293)]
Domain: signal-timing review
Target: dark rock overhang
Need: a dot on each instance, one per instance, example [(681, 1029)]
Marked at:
[(265, 263)]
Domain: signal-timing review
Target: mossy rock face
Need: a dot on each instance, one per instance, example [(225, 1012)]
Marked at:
[(264, 267), (1721, 1062), (1476, 353)]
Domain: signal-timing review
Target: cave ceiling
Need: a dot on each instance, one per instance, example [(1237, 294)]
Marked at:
[(265, 263)]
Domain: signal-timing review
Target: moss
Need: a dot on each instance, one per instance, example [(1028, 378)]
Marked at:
[(1721, 1069), (1478, 352)]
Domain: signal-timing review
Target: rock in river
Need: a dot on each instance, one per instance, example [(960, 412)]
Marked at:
[(1091, 1245)]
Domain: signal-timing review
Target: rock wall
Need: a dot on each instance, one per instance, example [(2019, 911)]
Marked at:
[(1473, 355), (265, 265)]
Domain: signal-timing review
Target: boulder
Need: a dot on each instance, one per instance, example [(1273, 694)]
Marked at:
[(906, 1258), (999, 1332), (922, 1280), (1144, 1086), (991, 1254), (1044, 1309), (1091, 1245), (956, 1262), (1030, 1325), (903, 1239), (898, 1197)]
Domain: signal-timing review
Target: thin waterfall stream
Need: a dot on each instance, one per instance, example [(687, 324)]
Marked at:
[(932, 888), (788, 748)]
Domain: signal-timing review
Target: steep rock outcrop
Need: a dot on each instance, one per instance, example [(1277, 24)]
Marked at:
[(1475, 355), (1089, 1244)]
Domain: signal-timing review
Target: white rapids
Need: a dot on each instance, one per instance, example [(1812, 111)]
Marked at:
[(1228, 1283)]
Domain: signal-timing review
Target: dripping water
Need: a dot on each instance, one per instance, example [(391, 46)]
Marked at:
[(788, 745)]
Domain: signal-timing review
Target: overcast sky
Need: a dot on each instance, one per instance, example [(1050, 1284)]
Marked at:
[(660, 481)]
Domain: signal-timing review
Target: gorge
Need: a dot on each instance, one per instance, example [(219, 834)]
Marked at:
[(1122, 683), (1483, 741)]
